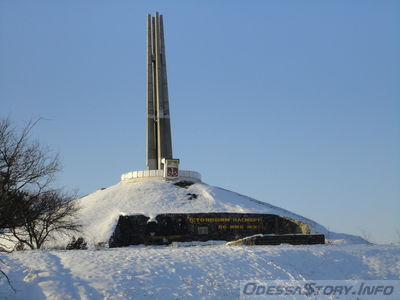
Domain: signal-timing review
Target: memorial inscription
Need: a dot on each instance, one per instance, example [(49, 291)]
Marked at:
[(166, 228)]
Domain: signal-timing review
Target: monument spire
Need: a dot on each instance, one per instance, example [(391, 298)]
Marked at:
[(159, 160), (158, 141)]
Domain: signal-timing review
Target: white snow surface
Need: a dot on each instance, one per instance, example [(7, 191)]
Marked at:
[(197, 272), (100, 210)]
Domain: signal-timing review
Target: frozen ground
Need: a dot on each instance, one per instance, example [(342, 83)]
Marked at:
[(211, 272)]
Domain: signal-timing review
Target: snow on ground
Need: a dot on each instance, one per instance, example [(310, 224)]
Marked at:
[(167, 272), (101, 209)]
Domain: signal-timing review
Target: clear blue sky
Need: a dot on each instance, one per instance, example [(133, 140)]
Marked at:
[(295, 103)]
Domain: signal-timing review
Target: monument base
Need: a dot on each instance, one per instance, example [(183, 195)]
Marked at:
[(137, 176)]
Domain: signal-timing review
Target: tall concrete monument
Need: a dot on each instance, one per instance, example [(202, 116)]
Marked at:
[(159, 142), (159, 159)]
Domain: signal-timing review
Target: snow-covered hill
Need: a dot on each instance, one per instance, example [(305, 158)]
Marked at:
[(100, 210), (212, 271), (165, 272)]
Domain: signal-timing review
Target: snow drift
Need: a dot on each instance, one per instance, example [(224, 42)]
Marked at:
[(198, 272)]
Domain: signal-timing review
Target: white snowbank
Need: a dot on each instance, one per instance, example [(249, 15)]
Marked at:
[(199, 272), (100, 210)]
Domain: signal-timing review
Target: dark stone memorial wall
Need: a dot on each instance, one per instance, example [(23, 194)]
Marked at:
[(167, 228)]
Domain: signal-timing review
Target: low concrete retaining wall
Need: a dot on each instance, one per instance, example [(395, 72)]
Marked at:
[(159, 175), (167, 228)]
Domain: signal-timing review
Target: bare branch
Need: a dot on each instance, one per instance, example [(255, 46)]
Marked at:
[(8, 280), (31, 211)]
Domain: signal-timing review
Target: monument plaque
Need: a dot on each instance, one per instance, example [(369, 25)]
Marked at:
[(171, 168)]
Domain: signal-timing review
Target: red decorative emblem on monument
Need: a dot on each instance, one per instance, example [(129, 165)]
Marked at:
[(172, 172)]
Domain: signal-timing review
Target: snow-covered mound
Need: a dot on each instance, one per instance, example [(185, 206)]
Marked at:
[(100, 210)]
